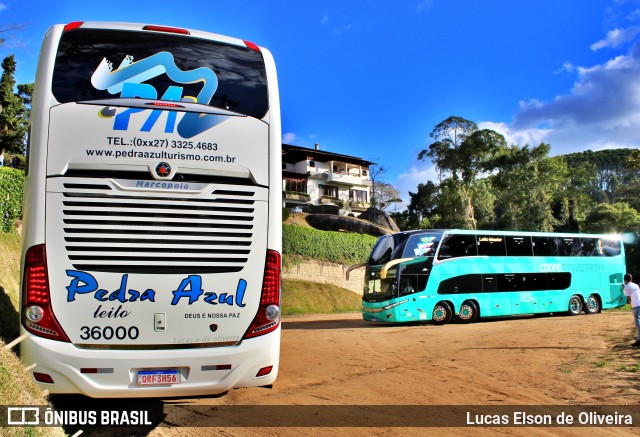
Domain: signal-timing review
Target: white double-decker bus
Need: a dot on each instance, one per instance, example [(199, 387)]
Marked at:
[(152, 234)]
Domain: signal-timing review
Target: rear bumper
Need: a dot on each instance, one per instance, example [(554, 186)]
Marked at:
[(119, 368)]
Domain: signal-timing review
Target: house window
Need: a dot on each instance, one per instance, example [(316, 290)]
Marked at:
[(295, 185), (312, 163), (329, 191), (358, 196)]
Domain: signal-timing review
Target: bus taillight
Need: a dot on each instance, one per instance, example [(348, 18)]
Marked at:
[(37, 314), (73, 26), (167, 29), (268, 317), (252, 46)]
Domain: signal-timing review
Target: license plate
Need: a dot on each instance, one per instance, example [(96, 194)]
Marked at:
[(159, 377)]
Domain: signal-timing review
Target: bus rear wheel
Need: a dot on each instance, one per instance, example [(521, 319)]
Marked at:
[(442, 313), (468, 312), (592, 305), (575, 305)]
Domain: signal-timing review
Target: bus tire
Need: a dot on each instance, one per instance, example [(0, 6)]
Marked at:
[(442, 313), (468, 312), (592, 305), (575, 305)]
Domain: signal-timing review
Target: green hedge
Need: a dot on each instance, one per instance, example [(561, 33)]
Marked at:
[(11, 190), (338, 247)]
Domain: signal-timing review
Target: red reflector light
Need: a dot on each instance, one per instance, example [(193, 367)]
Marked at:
[(264, 371), (166, 29), (252, 46), (43, 377), (72, 26)]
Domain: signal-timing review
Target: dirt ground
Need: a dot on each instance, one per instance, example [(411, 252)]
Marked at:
[(341, 360)]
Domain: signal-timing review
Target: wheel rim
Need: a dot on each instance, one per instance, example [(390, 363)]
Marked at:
[(592, 304), (440, 313), (466, 312), (575, 305)]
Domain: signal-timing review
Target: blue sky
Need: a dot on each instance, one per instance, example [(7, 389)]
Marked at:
[(371, 78)]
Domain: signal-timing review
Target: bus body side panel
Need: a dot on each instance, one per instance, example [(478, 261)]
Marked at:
[(600, 276)]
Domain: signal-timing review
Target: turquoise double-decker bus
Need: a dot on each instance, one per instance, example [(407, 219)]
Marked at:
[(436, 275)]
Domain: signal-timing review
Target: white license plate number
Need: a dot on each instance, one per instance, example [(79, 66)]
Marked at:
[(159, 377)]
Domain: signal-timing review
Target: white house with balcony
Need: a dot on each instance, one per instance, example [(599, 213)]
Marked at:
[(318, 181)]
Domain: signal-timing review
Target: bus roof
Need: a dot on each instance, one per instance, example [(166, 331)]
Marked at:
[(509, 233)]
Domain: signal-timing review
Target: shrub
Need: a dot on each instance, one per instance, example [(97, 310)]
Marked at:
[(338, 247), (11, 191)]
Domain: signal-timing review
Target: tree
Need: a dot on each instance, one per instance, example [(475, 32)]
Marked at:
[(612, 218), (375, 174), (527, 181), (464, 153), (424, 201), (14, 115), (386, 195), (449, 136)]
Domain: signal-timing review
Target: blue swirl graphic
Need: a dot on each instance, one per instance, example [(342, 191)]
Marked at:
[(137, 72)]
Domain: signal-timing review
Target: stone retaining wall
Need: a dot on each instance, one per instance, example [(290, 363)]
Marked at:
[(326, 272)]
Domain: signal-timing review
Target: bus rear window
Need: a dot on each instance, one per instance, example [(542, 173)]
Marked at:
[(240, 71)]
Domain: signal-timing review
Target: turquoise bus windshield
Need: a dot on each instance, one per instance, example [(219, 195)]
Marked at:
[(404, 245)]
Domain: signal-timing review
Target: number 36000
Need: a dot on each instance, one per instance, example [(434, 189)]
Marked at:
[(108, 332)]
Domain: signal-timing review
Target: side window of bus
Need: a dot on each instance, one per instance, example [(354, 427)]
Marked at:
[(510, 282), (559, 280), (461, 284), (534, 281), (544, 246), (566, 246), (454, 246), (519, 246), (590, 247), (491, 245), (611, 247)]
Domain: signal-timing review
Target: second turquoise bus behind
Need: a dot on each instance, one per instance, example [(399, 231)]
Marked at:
[(441, 274)]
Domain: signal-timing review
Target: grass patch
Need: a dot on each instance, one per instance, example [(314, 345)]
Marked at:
[(10, 245), (632, 368), (626, 307), (18, 388), (302, 297)]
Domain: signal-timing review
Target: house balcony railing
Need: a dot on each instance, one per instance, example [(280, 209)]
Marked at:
[(358, 206), (340, 178), (294, 195)]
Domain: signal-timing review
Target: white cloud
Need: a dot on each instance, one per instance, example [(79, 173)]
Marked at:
[(522, 137), (603, 107), (616, 38), (289, 138), (567, 67), (417, 174)]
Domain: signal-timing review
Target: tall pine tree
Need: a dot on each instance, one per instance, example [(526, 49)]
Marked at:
[(14, 116)]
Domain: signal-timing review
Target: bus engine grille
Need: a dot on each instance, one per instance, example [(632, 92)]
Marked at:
[(158, 233)]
